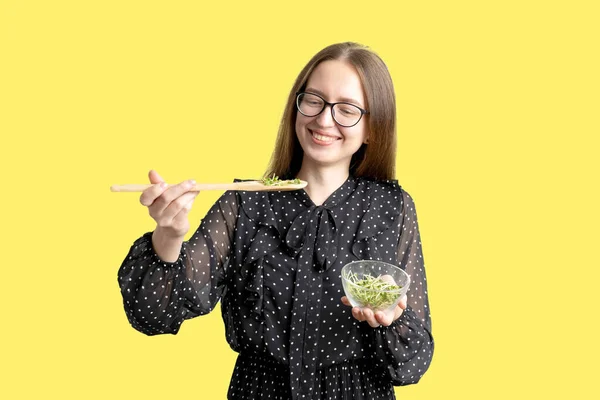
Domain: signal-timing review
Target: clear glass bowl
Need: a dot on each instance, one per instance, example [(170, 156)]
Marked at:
[(366, 284)]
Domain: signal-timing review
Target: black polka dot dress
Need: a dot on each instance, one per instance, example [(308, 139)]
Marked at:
[(274, 261)]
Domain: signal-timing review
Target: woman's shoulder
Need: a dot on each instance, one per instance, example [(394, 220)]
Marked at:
[(382, 187), (387, 190)]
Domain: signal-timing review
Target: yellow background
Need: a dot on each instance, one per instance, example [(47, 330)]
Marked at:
[(498, 107)]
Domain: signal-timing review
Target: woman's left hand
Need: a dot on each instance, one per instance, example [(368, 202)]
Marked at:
[(376, 319)]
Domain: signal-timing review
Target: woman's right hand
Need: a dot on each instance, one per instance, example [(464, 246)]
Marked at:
[(169, 206)]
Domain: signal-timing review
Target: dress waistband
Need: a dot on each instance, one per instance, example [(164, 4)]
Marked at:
[(262, 377)]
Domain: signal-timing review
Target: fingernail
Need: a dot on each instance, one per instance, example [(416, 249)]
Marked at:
[(163, 185)]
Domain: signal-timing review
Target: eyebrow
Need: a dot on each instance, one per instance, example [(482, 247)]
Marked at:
[(344, 99)]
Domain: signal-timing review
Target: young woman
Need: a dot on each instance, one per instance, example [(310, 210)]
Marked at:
[(274, 258)]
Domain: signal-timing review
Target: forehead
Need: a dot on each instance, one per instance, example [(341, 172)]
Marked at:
[(337, 80)]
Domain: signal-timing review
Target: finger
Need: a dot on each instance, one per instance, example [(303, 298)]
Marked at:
[(187, 207), (370, 317), (384, 318), (176, 207), (345, 301), (180, 222), (155, 177), (169, 195), (357, 314), (403, 302), (398, 312), (388, 279), (149, 195)]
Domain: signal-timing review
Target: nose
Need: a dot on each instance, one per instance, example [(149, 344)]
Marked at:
[(325, 119)]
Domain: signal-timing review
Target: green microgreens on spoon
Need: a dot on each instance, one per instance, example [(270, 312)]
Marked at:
[(275, 181)]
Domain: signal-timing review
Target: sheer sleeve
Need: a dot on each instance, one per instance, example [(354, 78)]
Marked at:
[(158, 296), (405, 348)]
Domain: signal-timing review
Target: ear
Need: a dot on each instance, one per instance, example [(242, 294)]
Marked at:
[(367, 135)]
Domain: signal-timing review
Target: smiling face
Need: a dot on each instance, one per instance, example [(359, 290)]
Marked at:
[(324, 142)]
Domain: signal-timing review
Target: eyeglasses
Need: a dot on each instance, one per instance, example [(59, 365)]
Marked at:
[(345, 114)]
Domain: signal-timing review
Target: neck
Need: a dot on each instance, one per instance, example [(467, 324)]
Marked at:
[(322, 181)]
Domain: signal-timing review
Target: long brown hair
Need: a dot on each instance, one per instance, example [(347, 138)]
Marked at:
[(375, 160)]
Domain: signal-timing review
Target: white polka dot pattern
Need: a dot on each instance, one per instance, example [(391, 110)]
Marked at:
[(274, 260)]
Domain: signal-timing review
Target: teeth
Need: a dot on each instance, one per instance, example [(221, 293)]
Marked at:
[(324, 138)]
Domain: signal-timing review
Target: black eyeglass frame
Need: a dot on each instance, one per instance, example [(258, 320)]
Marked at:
[(331, 105)]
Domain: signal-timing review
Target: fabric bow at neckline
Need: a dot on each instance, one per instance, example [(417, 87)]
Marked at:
[(318, 225)]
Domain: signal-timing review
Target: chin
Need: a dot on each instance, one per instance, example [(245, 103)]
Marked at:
[(325, 160)]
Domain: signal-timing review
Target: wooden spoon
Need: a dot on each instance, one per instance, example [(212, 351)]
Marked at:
[(248, 185)]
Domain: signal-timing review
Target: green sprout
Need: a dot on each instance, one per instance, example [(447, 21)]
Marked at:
[(372, 292), (275, 181)]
